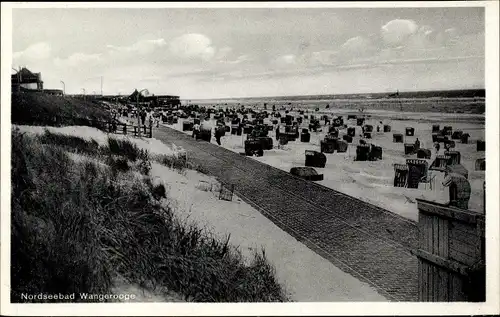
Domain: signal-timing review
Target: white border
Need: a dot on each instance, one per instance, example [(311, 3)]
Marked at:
[(492, 178)]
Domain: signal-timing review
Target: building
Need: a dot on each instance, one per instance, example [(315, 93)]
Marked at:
[(26, 80), (155, 101)]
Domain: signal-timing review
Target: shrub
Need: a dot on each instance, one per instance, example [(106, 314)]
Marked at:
[(127, 149), (77, 225), (68, 142)]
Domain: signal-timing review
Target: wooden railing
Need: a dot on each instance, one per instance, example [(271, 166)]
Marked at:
[(451, 255)]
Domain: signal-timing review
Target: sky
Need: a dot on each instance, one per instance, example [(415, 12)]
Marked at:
[(228, 53)]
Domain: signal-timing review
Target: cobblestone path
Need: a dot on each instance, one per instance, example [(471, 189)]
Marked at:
[(363, 240)]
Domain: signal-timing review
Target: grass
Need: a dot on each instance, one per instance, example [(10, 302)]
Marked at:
[(76, 225), (35, 108)]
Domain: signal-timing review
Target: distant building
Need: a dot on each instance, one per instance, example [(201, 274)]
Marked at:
[(55, 92), (154, 101), (26, 80)]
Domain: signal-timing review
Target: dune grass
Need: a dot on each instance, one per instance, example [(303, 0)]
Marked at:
[(78, 224)]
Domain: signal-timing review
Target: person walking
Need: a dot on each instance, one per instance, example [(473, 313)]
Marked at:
[(218, 135)]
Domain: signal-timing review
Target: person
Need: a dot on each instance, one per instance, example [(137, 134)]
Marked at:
[(196, 130), (143, 117), (218, 135), (437, 147), (417, 144)]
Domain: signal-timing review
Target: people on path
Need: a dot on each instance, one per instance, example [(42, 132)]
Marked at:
[(196, 130)]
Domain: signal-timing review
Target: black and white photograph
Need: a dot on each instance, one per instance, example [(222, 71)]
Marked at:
[(250, 153)]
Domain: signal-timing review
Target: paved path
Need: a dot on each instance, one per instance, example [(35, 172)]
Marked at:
[(363, 240)]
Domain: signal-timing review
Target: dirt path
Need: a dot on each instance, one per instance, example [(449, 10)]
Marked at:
[(365, 241)]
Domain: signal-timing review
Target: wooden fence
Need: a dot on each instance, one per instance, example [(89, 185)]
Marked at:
[(128, 129), (451, 255)]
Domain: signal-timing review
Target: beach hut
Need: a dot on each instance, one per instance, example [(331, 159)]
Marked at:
[(397, 138), (351, 131), (347, 138), (254, 147), (418, 170), (400, 175), (409, 131), (480, 164), (328, 147), (457, 135), (363, 152), (454, 157), (315, 159), (424, 154), (435, 128), (481, 146), (409, 148)]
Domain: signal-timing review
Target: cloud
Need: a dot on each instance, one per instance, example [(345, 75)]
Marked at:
[(142, 47), (223, 53), (192, 46), (38, 51), (397, 31), (77, 59)]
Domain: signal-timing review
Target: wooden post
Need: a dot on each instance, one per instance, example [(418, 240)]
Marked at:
[(451, 255)]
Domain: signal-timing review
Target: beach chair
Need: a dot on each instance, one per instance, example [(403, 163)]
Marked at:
[(347, 138), (363, 152), (360, 121), (480, 164), (435, 128), (418, 172), (447, 130), (328, 146), (459, 190), (409, 131), (305, 137), (456, 135), (315, 159), (449, 144), (387, 128), (424, 154), (409, 148), (351, 116), (368, 128), (375, 153), (440, 163), (400, 175), (367, 135), (454, 157), (465, 138), (481, 146), (342, 146), (397, 138), (351, 131), (254, 147)]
